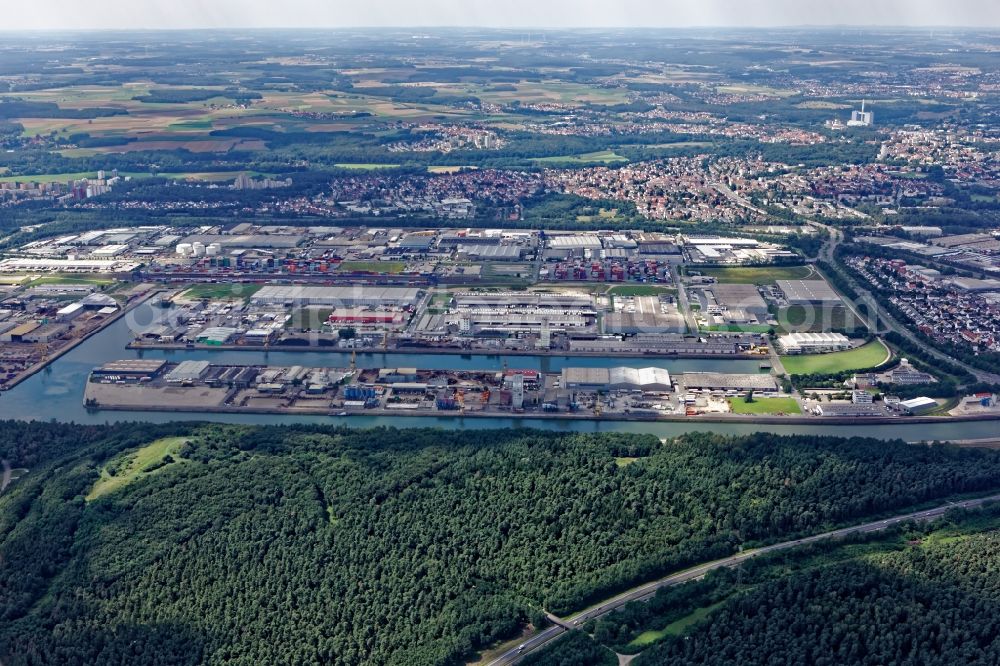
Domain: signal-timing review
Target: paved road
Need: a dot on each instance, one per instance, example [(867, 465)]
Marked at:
[(737, 199), (646, 591), (685, 305)]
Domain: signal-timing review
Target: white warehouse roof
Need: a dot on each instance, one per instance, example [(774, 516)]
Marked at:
[(640, 378)]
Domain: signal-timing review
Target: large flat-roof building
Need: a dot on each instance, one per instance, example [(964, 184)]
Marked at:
[(920, 405), (718, 381), (133, 368), (348, 296), (187, 371), (491, 252), (808, 292), (521, 300), (812, 343), (575, 242), (645, 314), (849, 409), (617, 379), (739, 297)]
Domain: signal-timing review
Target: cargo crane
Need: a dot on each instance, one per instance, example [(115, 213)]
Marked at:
[(460, 396)]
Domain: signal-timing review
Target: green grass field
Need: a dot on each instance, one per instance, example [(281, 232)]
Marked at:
[(390, 267), (678, 145), (603, 215), (676, 628), (816, 319), (190, 125), (866, 356), (357, 166), (599, 156), (764, 406), (135, 465), (740, 328), (449, 169), (221, 291), (757, 274)]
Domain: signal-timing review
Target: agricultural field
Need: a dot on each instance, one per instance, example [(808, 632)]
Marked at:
[(821, 104), (213, 176), (869, 355), (765, 406), (755, 90), (365, 166), (755, 274), (541, 92), (449, 169), (596, 157)]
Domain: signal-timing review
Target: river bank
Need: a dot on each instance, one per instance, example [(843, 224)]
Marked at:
[(188, 407)]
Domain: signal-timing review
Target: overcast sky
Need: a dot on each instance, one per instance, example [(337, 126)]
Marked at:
[(69, 14)]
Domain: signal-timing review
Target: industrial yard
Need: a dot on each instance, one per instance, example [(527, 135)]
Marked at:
[(618, 392), (43, 317), (600, 294)]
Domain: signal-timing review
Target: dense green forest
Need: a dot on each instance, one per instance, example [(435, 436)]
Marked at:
[(310, 544), (930, 603), (898, 575)]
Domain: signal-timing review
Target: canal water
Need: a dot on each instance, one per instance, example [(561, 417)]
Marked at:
[(57, 392)]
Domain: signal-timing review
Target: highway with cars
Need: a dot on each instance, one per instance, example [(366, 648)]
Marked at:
[(643, 592)]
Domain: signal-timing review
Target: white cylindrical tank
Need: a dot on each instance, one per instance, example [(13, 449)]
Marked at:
[(213, 250), (198, 249), (184, 249)]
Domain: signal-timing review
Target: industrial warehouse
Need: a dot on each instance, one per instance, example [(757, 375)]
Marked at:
[(622, 392), (352, 296), (617, 379), (808, 292), (813, 343)]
